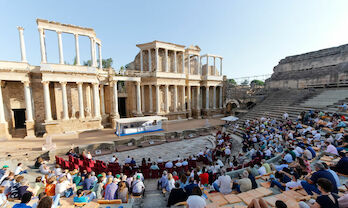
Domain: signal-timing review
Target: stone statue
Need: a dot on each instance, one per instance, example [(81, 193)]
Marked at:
[(88, 112)]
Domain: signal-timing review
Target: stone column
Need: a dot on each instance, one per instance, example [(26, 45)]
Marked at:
[(138, 99), (65, 101), (175, 98), (142, 98), (220, 66), (27, 95), (100, 57), (189, 98), (156, 59), (80, 94), (96, 101), (183, 62), (183, 107), (141, 61), (220, 100), (166, 60), (150, 67), (198, 65), (188, 64), (77, 49), (2, 110), (208, 65), (22, 43), (92, 51), (175, 69), (88, 100), (214, 97), (47, 100), (60, 47), (102, 100), (116, 114), (150, 99), (158, 107), (166, 103), (42, 46), (214, 67), (207, 97)]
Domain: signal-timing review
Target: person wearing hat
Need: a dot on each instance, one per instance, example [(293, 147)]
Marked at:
[(3, 172), (138, 187)]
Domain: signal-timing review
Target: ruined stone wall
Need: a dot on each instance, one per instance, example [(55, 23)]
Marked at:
[(318, 67)]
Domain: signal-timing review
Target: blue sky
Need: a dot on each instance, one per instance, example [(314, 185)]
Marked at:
[(252, 36)]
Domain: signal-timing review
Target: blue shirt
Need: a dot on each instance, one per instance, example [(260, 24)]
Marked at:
[(280, 167), (87, 184), (325, 174), (288, 158), (82, 199), (342, 165), (312, 151), (21, 205)]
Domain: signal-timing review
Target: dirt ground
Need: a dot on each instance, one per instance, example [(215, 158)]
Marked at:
[(24, 149)]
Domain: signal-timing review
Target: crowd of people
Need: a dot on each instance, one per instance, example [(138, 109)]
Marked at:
[(296, 142)]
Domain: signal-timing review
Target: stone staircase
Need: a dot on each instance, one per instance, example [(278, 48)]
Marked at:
[(153, 197), (328, 98), (279, 102)]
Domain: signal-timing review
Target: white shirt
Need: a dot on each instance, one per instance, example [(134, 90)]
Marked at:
[(89, 156), (62, 187), (195, 201), (262, 170), (268, 152), (178, 164), (138, 186), (184, 163), (299, 150), (168, 165), (127, 160), (18, 170), (220, 163), (113, 159), (159, 161), (227, 151), (292, 184), (224, 183)]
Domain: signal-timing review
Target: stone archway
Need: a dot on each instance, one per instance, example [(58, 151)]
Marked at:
[(231, 105)]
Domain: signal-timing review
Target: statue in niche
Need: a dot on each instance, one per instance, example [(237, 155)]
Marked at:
[(88, 112)]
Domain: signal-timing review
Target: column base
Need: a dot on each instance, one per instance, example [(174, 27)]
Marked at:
[(196, 113), (30, 127), (4, 133), (113, 120), (139, 114)]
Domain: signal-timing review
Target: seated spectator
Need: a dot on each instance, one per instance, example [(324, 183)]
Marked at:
[(287, 156), (57, 170), (84, 196), (77, 179), (88, 182), (163, 181), (330, 149), (98, 188), (223, 183), (20, 170), (127, 160), (176, 195), (171, 182), (154, 166), (3, 198), (8, 182), (110, 191), (64, 187), (24, 188), (327, 199), (252, 179), (51, 186), (310, 183), (122, 192), (138, 187), (190, 186), (195, 200), (342, 165), (244, 184), (159, 160), (168, 165), (44, 169), (333, 173), (24, 201), (204, 177)]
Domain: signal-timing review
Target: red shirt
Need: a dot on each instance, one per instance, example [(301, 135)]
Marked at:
[(176, 178), (204, 178)]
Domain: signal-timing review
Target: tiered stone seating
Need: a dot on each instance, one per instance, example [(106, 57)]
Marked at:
[(326, 98)]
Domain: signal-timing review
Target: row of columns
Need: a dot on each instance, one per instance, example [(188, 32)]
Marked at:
[(175, 98), (60, 48), (115, 99), (166, 65), (96, 101), (207, 63)]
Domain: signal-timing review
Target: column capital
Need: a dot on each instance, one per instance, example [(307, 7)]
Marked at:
[(41, 30), (79, 83), (76, 35), (20, 28), (137, 82), (95, 83), (45, 82), (113, 82), (26, 83), (58, 32), (63, 83)]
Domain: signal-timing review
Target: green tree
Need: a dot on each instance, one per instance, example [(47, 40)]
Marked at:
[(257, 82), (106, 63), (232, 81)]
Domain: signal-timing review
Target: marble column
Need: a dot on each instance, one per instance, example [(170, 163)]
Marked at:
[(65, 101), (102, 100), (150, 99), (220, 100), (142, 98), (214, 73), (141, 61), (188, 64), (42, 46), (175, 69), (47, 100), (115, 97), (22, 44), (183, 62), (138, 99), (220, 66), (156, 59), (198, 94), (80, 94), (189, 98), (166, 101), (77, 49), (2, 109), (60, 47), (183, 107), (92, 51), (158, 106), (96, 100), (150, 64), (28, 104), (207, 66), (88, 100), (166, 60), (175, 98), (207, 97), (100, 57), (198, 65), (214, 97)]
